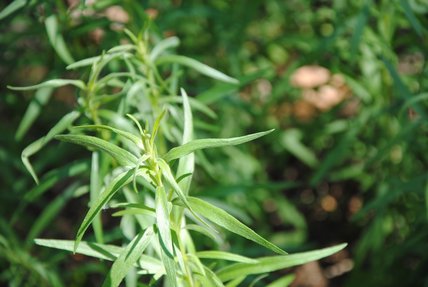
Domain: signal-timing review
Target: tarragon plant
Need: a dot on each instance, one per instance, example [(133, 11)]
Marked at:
[(129, 114)]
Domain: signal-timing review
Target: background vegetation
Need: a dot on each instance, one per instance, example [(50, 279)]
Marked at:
[(344, 83)]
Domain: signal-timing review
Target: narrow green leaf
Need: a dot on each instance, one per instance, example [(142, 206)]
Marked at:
[(117, 183), (40, 99), (165, 240), (56, 39), (50, 211), (51, 84), (222, 255), (227, 221), (291, 141), (94, 192), (92, 60), (273, 263), (167, 174), (186, 164), (133, 138), (123, 157), (198, 144), (12, 7), (127, 258), (417, 26), (156, 126), (34, 147), (163, 45), (235, 282), (214, 280), (283, 281), (194, 103), (101, 251), (198, 66)]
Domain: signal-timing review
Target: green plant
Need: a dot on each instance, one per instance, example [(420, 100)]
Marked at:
[(129, 84)]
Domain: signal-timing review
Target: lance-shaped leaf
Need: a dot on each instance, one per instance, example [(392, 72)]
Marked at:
[(51, 84), (227, 221), (56, 39), (167, 174), (122, 156), (273, 263), (34, 147), (164, 233), (194, 145), (101, 251), (40, 99), (198, 66), (117, 183), (97, 59), (222, 255), (127, 258), (12, 7), (163, 45), (129, 136), (186, 164)]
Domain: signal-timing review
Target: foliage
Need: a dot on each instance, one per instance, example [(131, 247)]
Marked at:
[(348, 169)]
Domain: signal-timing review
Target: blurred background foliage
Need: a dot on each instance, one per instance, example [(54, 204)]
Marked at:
[(344, 83)]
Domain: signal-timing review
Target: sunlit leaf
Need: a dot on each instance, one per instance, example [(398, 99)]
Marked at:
[(198, 66), (56, 39), (198, 144), (163, 45), (51, 84), (127, 258), (222, 255), (115, 185), (101, 251), (227, 221), (273, 263), (122, 156), (165, 240)]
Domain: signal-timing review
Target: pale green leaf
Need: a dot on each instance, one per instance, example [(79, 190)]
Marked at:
[(163, 45), (167, 174), (133, 138), (194, 103), (102, 251), (227, 221), (165, 240), (127, 258), (198, 144), (51, 84), (186, 164), (34, 147), (94, 192), (12, 7), (56, 39), (222, 255), (196, 65), (117, 183), (235, 282), (40, 99), (92, 60), (273, 263), (122, 156), (283, 281)]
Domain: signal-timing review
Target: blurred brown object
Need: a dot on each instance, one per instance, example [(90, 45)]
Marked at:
[(117, 14), (308, 77), (320, 91), (309, 275)]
